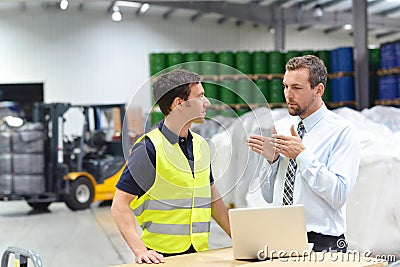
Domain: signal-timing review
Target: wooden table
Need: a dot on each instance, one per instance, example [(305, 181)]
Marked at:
[(224, 258)]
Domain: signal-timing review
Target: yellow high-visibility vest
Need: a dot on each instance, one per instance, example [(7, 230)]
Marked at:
[(176, 211)]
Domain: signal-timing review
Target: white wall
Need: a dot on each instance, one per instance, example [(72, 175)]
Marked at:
[(85, 57)]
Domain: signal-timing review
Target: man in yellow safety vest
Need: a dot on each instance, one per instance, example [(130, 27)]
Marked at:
[(168, 181)]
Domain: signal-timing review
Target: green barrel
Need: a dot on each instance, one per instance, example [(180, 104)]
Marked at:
[(307, 52), (174, 59), (326, 97), (275, 60), (156, 117), (374, 59), (206, 67), (244, 62), (158, 62), (191, 59), (262, 85), (226, 58), (373, 87), (244, 89), (228, 91), (260, 62), (290, 54), (276, 91), (242, 111), (324, 55), (212, 91)]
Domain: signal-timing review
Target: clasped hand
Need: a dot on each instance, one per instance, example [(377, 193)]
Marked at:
[(271, 147)]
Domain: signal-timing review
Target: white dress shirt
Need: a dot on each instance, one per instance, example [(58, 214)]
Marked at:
[(326, 171)]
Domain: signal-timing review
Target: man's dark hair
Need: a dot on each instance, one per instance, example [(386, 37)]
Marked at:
[(316, 68), (173, 84)]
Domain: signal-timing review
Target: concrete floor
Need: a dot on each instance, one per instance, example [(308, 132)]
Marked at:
[(62, 237)]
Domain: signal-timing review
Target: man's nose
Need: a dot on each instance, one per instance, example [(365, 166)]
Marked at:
[(288, 93), (206, 102)]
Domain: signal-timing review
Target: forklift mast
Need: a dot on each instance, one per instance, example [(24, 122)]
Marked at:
[(51, 116)]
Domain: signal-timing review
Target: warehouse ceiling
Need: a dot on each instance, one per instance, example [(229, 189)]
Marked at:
[(327, 15)]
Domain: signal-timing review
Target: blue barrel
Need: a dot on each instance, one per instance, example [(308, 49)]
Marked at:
[(342, 89), (397, 53), (398, 86), (388, 88), (333, 90), (388, 56), (333, 65), (345, 59)]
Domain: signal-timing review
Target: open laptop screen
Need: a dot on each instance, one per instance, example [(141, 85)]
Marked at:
[(270, 232)]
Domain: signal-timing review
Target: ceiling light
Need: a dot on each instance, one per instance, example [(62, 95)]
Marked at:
[(271, 30), (144, 8), (318, 12), (127, 4), (116, 15), (347, 27), (64, 4)]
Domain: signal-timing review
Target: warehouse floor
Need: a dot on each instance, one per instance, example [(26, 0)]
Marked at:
[(62, 237)]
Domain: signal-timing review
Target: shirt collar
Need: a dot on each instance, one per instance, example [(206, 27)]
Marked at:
[(170, 135), (314, 118)]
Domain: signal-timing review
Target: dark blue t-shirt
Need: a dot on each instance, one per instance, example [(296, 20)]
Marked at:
[(139, 174)]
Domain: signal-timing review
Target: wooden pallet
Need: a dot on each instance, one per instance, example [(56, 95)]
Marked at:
[(390, 71)]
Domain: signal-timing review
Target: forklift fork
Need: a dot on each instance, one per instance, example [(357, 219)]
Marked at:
[(21, 257)]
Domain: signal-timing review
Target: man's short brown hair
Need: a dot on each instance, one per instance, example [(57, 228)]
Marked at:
[(316, 68), (173, 84)]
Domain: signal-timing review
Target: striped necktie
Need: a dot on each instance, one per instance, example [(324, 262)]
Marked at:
[(291, 173)]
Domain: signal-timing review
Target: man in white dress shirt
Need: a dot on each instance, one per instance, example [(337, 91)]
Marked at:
[(326, 155)]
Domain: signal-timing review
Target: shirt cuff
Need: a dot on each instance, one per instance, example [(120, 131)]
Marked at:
[(275, 164), (304, 159)]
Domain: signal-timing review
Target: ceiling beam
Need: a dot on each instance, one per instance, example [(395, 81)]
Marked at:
[(251, 11), (110, 7), (331, 3), (287, 3), (167, 14), (382, 35), (389, 11), (239, 23), (332, 29), (196, 16), (222, 20), (81, 6), (374, 3), (303, 27), (273, 14)]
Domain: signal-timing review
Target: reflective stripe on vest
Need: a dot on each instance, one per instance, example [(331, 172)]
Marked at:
[(172, 225), (177, 229), (172, 204)]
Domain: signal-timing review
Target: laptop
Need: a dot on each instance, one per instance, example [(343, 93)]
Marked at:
[(270, 232)]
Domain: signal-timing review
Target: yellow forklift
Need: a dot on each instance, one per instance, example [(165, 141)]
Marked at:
[(47, 165)]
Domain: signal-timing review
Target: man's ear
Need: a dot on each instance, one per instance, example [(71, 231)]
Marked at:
[(177, 103), (320, 89)]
